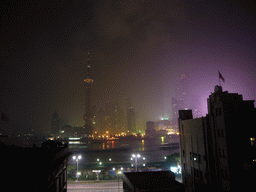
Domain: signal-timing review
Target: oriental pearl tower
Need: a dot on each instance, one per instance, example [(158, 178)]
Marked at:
[(88, 127)]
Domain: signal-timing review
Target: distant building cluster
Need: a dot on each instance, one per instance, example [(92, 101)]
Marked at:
[(160, 128), (218, 151), (110, 120)]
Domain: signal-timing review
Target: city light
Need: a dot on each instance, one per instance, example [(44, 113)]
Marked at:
[(74, 138), (96, 171), (77, 158), (135, 156), (176, 170)]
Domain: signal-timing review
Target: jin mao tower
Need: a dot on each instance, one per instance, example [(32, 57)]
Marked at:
[(88, 116)]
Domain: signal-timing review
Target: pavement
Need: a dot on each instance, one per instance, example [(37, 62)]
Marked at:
[(82, 186)]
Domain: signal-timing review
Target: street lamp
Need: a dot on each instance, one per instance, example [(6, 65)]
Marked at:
[(77, 158), (136, 156), (119, 173)]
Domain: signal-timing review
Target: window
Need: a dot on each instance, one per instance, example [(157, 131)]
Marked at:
[(218, 132), (252, 141), (218, 112), (222, 133), (195, 156), (199, 158), (200, 174)]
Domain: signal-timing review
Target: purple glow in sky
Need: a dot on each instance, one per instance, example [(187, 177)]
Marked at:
[(139, 50)]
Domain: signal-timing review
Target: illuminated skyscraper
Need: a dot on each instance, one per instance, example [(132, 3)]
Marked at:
[(88, 116)]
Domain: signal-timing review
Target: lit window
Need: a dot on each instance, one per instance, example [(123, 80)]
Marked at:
[(252, 141)]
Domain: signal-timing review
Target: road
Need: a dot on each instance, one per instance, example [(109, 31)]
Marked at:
[(95, 187)]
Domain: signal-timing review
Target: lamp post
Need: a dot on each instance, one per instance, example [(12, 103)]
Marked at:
[(77, 158), (136, 156), (118, 173)]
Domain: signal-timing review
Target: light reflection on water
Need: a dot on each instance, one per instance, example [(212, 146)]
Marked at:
[(150, 149), (136, 144)]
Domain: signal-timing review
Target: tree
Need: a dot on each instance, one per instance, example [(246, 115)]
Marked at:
[(173, 159)]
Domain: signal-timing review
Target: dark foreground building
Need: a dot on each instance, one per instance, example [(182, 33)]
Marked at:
[(34, 169), (151, 181), (218, 152)]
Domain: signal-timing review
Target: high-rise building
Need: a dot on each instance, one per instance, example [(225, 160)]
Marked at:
[(218, 152), (88, 116), (111, 119), (150, 128), (119, 120), (55, 125), (179, 101), (131, 121)]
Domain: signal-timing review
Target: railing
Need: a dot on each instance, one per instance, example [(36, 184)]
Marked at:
[(97, 190)]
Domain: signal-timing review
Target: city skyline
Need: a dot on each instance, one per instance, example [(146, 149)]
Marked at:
[(138, 50)]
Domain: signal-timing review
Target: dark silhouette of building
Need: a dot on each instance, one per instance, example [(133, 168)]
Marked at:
[(151, 181), (35, 168), (55, 125), (218, 152), (88, 116)]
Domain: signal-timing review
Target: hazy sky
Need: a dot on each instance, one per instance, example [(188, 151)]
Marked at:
[(138, 48)]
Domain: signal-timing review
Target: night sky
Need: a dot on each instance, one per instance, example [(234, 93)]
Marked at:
[(138, 48)]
